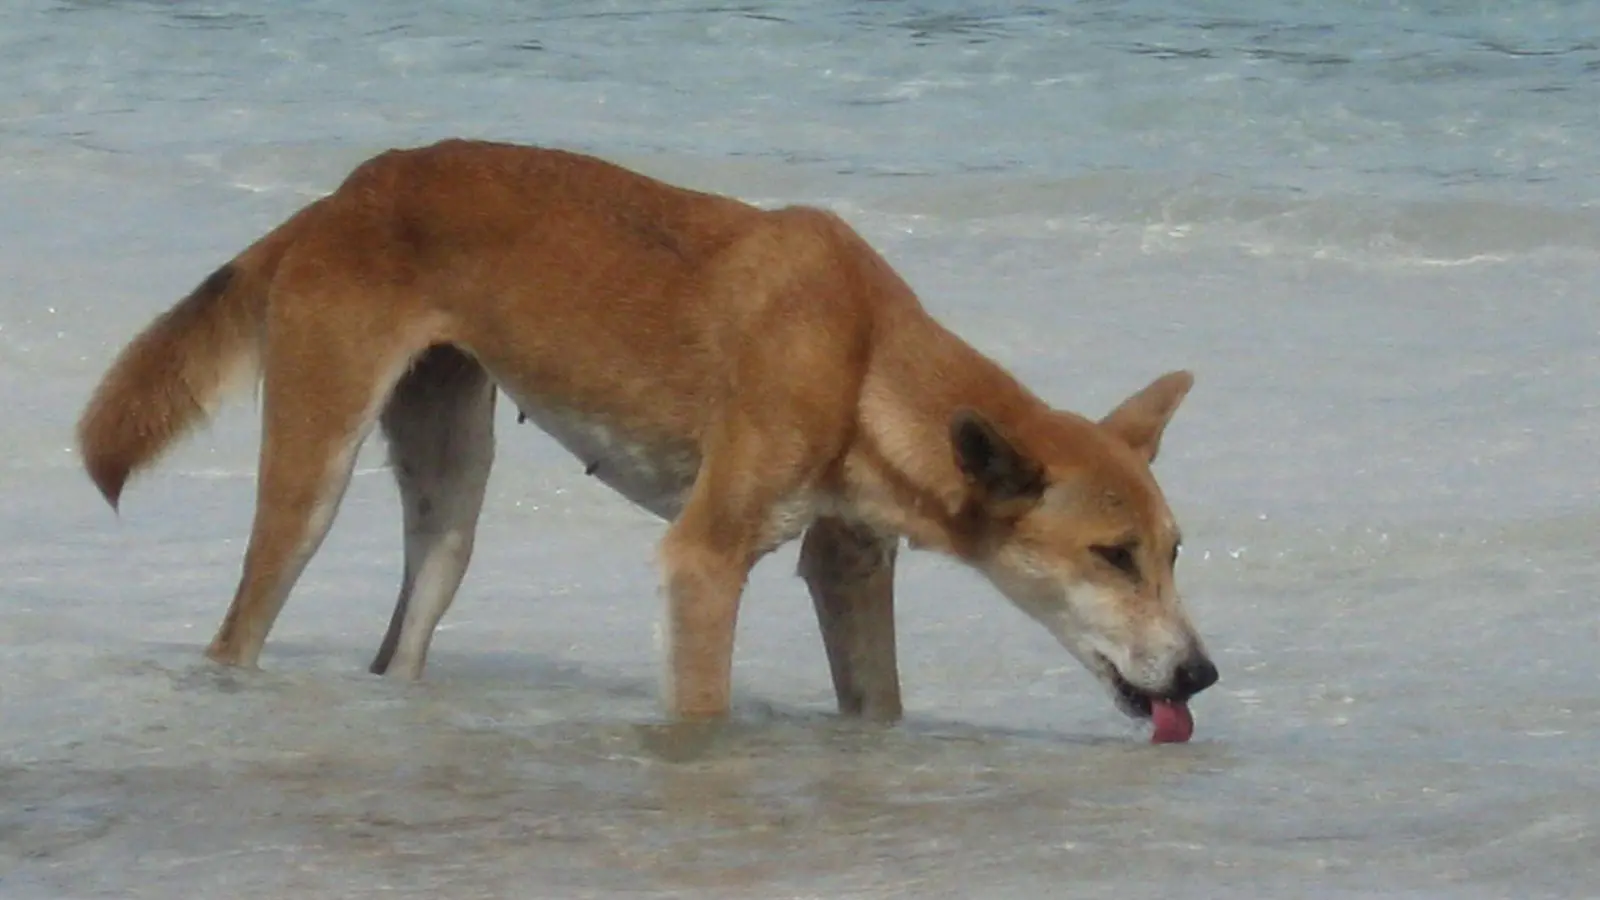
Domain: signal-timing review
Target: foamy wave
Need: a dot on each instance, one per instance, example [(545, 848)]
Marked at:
[(1140, 212), (1164, 216)]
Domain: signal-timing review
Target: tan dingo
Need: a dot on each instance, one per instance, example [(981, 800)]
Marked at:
[(746, 374)]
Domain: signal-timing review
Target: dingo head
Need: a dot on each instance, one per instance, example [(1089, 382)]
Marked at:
[(1069, 523)]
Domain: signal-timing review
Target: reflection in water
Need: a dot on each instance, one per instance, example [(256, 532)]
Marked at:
[(316, 782), (228, 774)]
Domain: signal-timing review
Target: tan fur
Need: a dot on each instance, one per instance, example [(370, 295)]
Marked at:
[(746, 374)]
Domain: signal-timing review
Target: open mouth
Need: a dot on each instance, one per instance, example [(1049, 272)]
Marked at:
[(1134, 701), (1170, 715), (1131, 699)]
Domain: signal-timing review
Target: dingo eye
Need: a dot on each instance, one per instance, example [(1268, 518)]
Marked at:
[(1119, 557)]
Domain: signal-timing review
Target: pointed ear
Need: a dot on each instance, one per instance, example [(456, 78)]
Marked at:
[(1008, 481), (1141, 419)]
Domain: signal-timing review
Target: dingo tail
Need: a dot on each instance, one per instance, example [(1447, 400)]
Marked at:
[(178, 370)]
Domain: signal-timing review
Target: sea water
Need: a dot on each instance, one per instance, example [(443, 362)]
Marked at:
[(1371, 229)]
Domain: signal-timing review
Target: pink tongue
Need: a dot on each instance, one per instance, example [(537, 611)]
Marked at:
[(1173, 723)]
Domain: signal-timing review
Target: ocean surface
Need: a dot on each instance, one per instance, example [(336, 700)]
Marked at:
[(1371, 229)]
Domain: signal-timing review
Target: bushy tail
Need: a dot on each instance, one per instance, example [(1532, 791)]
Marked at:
[(171, 377)]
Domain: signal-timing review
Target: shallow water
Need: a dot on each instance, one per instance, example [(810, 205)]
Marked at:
[(1369, 229)]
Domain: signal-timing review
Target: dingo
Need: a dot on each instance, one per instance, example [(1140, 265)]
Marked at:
[(746, 374)]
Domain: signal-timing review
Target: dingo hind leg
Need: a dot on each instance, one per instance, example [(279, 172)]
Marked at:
[(849, 570), (440, 427), (326, 371)]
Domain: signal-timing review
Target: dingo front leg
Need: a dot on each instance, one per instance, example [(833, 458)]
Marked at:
[(850, 572), (703, 582), (746, 500)]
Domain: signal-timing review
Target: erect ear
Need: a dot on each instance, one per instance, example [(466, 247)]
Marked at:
[(1141, 419), (1008, 480)]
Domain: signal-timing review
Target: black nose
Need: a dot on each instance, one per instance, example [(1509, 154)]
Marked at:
[(1194, 676)]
